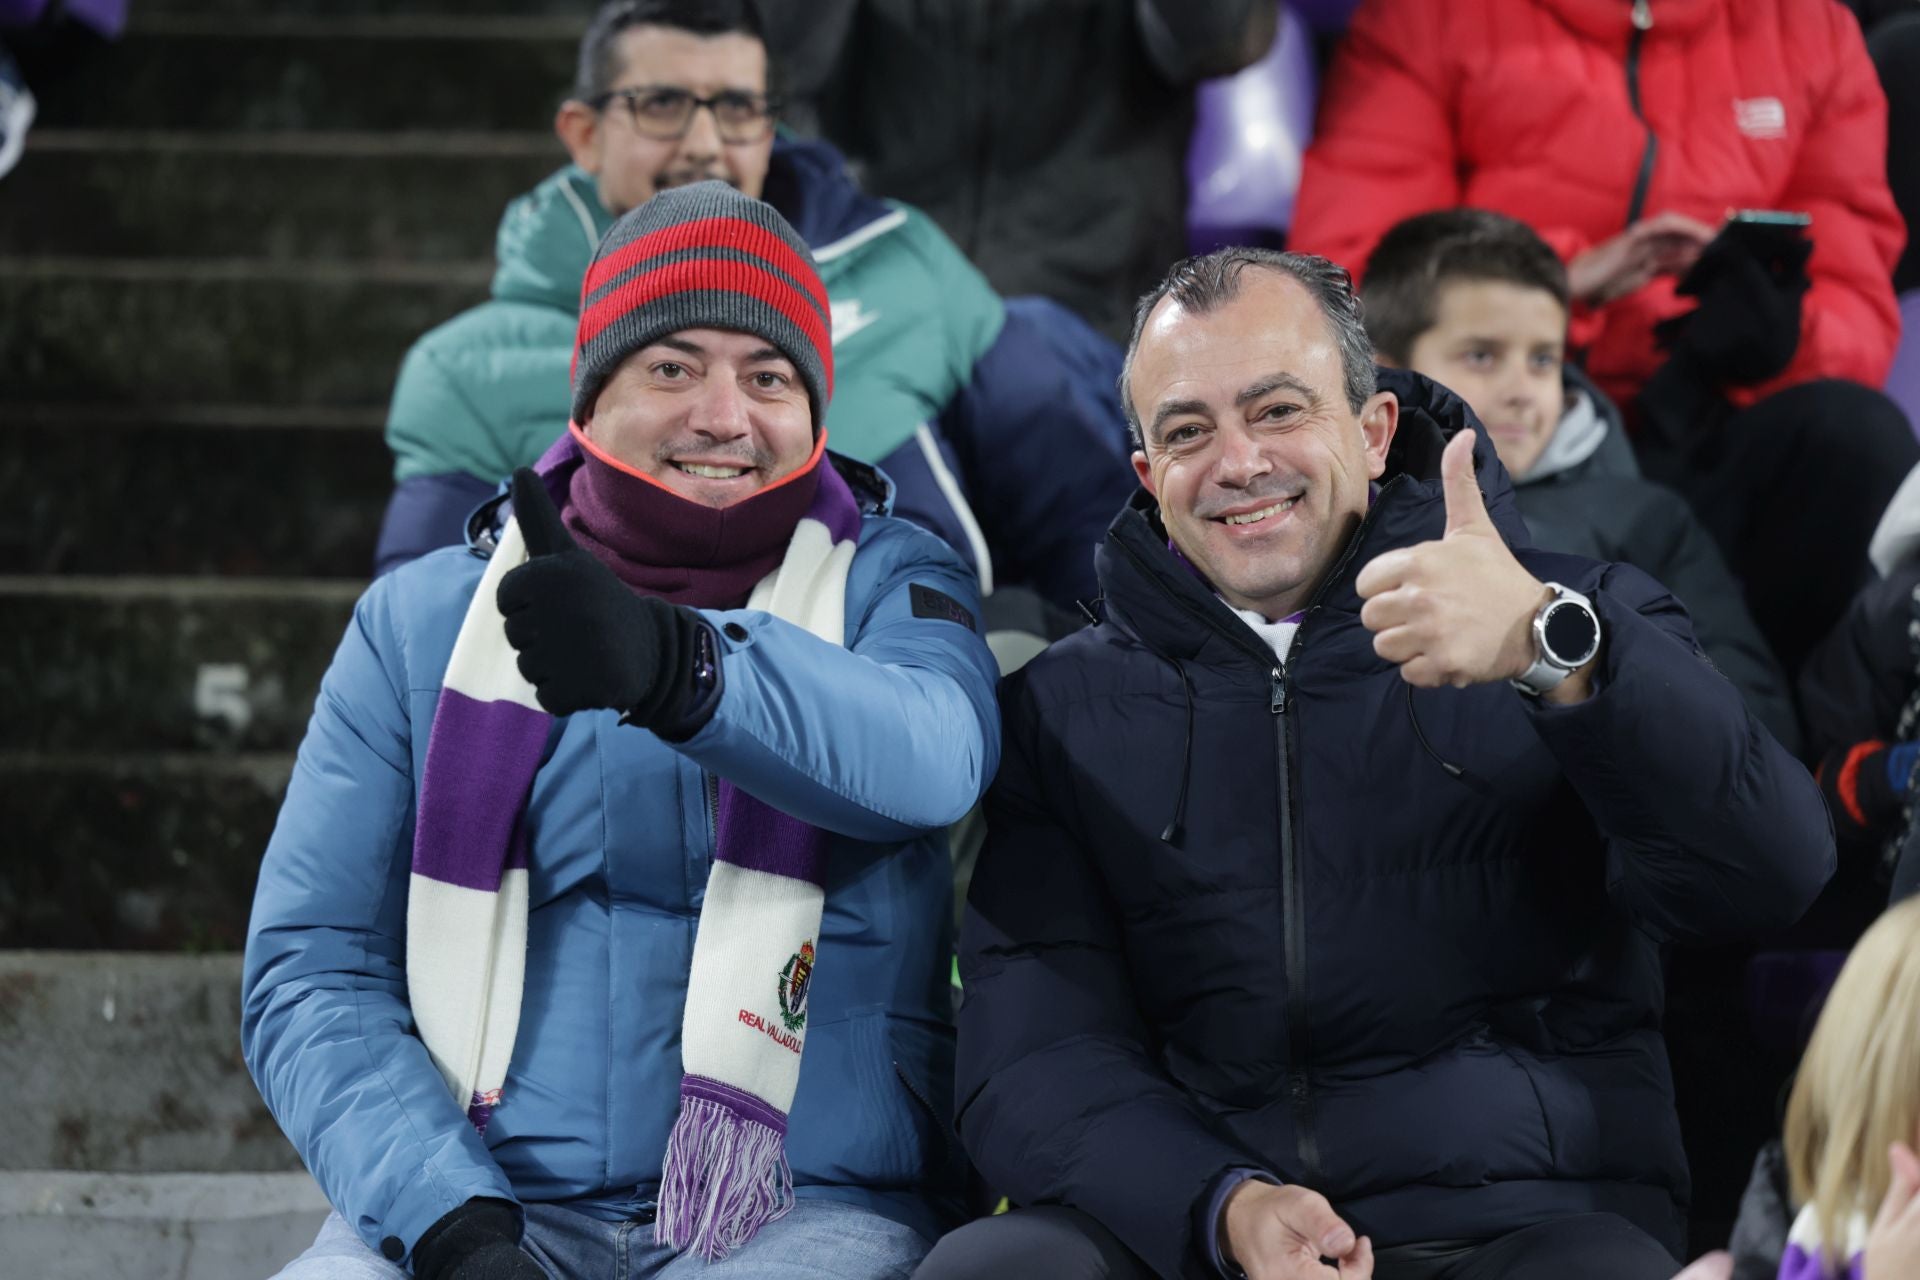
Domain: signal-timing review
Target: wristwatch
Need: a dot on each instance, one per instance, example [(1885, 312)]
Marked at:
[(1566, 635)]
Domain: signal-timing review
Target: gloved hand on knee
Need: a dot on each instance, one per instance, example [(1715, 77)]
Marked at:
[(480, 1240)]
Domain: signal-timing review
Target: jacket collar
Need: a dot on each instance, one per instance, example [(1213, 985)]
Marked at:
[(546, 241), (1149, 594), (1610, 22)]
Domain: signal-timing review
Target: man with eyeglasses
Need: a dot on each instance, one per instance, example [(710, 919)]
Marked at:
[(968, 402)]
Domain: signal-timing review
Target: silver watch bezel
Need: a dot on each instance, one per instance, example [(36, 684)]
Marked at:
[(1549, 668)]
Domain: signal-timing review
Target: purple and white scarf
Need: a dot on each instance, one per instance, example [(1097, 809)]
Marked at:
[(725, 1171), (1806, 1254)]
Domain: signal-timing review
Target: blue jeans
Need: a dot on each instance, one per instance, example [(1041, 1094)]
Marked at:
[(818, 1240)]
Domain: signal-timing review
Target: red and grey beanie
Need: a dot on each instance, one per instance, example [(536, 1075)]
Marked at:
[(702, 257)]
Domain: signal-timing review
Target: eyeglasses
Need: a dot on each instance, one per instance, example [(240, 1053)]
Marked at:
[(666, 113)]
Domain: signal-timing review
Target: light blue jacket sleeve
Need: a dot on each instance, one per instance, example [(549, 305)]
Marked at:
[(893, 735), (326, 1027)]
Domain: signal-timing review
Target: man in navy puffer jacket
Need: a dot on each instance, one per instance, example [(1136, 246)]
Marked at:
[(1301, 932)]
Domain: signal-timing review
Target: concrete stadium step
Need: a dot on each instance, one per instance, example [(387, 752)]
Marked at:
[(129, 1062), (219, 330), (168, 1226), (164, 664), (394, 71), (394, 197), (146, 852), (221, 489)]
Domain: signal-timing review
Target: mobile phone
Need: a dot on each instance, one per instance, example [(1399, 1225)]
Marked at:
[(1767, 234), (1773, 237)]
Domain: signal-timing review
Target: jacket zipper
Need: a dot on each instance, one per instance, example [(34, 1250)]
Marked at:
[(1293, 895), (1642, 23), (711, 786), (1293, 911), (1293, 908)]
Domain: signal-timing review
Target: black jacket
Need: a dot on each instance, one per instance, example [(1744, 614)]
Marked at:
[(1601, 508), (1434, 998), (1857, 680)]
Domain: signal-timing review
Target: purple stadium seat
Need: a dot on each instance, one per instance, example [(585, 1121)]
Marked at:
[(1785, 990), (1903, 380), (21, 13), (1325, 17), (107, 17), (1243, 165)]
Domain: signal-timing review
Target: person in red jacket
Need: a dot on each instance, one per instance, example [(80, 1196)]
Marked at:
[(1624, 133)]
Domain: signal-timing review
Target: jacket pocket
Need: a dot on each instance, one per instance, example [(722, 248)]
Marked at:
[(922, 1064)]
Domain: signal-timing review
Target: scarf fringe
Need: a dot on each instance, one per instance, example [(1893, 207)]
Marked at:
[(726, 1176)]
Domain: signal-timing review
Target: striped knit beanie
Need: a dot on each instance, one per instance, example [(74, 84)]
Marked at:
[(702, 257)]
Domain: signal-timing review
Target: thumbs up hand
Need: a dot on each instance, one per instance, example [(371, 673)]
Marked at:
[(585, 639), (1458, 611)]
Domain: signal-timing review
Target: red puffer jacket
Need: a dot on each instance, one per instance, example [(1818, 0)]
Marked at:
[(1525, 107)]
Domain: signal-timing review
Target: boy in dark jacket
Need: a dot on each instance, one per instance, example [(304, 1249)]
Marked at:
[(1477, 301)]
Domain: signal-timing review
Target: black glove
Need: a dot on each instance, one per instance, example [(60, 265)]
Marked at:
[(1747, 325), (586, 640), (480, 1240)]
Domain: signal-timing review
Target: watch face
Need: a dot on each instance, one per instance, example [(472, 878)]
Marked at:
[(1571, 634)]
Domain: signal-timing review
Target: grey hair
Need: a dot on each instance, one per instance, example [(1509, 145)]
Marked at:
[(1202, 283)]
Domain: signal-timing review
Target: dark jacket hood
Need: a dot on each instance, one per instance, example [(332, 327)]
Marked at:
[(1151, 594), (809, 184)]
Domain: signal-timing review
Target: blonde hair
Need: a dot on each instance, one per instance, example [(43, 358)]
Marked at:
[(1858, 1090)]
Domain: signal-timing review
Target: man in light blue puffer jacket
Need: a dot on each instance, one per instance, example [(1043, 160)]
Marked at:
[(528, 788)]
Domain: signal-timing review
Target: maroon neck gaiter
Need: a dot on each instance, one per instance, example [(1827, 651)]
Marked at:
[(662, 544)]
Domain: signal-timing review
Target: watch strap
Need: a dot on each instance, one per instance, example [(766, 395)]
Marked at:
[(1540, 677)]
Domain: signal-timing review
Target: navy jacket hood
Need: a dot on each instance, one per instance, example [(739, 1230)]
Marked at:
[(808, 182)]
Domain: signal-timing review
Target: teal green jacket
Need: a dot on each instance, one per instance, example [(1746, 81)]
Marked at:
[(997, 421)]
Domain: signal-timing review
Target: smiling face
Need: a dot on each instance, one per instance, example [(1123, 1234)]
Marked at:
[(1259, 463), (714, 415), (1500, 347), (631, 167)]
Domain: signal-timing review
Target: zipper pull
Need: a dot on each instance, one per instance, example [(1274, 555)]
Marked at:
[(1279, 688), (1642, 15)]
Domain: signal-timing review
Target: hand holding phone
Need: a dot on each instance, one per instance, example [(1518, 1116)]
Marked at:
[(1776, 239), (1750, 282)]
